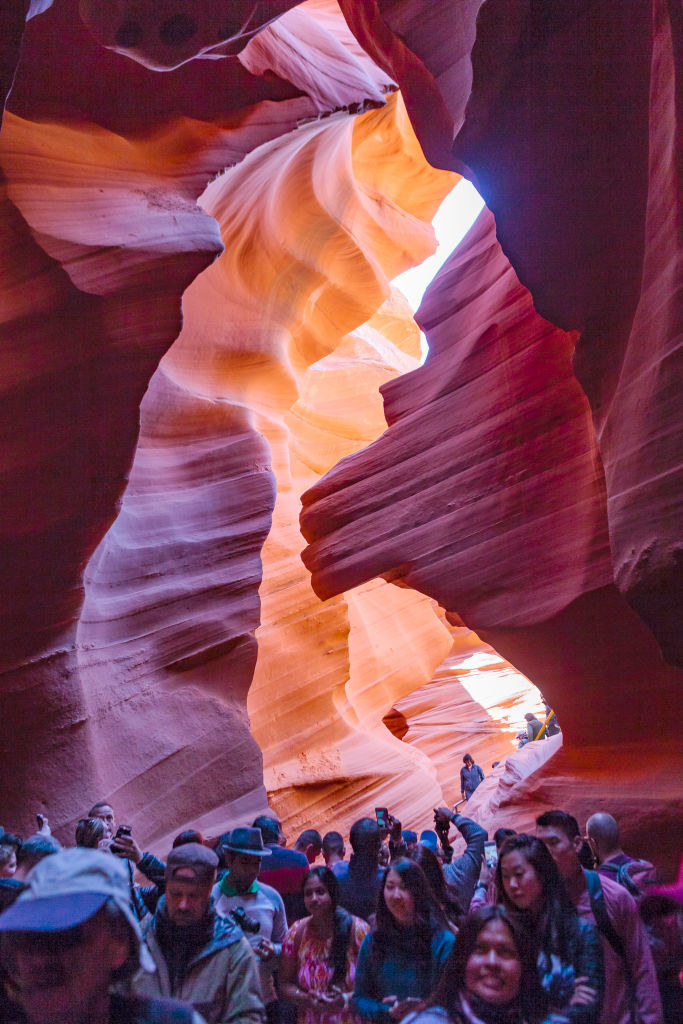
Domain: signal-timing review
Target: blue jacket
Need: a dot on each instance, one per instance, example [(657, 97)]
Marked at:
[(470, 779), (463, 872), (557, 976), (398, 972)]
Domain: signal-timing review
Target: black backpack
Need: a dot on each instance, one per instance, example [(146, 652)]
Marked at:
[(635, 876)]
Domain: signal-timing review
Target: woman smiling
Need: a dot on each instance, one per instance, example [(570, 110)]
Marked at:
[(319, 954), (489, 978), (401, 960)]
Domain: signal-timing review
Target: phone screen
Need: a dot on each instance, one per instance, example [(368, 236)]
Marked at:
[(382, 815), (491, 854)]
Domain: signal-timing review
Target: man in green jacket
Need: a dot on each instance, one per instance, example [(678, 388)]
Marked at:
[(200, 957)]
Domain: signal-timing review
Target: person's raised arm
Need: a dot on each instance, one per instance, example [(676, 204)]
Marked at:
[(397, 847), (151, 867), (463, 872)]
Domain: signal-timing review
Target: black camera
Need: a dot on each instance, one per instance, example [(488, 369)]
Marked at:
[(246, 923)]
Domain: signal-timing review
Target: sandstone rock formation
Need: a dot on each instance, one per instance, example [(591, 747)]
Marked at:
[(142, 691), (594, 262), (177, 373), (566, 116)]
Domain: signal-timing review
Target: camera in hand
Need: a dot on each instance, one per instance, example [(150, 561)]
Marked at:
[(246, 923), (123, 830)]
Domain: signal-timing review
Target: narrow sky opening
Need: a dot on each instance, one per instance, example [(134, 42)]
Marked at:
[(453, 219)]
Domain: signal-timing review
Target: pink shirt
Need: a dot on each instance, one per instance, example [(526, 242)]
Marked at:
[(623, 914)]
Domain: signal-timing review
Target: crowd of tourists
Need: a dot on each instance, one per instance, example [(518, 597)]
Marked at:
[(556, 926)]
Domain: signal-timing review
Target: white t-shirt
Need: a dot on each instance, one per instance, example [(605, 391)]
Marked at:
[(265, 906)]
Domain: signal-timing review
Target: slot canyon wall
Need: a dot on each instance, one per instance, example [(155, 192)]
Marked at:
[(202, 215)]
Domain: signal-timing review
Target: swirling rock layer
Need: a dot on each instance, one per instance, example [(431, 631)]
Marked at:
[(156, 665), (566, 116), (496, 491)]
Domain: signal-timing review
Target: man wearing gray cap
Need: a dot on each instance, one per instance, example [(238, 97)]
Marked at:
[(70, 945), (199, 956)]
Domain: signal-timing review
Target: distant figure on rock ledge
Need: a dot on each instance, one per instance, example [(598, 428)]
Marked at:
[(533, 726), (470, 777)]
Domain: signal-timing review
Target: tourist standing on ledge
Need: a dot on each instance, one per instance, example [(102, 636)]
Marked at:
[(533, 727), (471, 776)]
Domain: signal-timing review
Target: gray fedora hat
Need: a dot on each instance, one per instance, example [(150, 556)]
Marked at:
[(247, 840)]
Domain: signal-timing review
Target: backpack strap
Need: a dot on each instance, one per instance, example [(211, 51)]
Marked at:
[(606, 928), (624, 878), (602, 921)]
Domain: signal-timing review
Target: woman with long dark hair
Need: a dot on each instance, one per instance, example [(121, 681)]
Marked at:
[(569, 954), (489, 978), (320, 952), (402, 959), (444, 894)]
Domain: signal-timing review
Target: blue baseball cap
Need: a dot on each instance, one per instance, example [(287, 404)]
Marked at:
[(66, 888), (429, 838)]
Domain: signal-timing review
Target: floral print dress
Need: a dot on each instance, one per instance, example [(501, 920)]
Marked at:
[(314, 971)]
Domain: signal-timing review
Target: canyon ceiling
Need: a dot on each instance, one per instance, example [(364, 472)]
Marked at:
[(241, 521)]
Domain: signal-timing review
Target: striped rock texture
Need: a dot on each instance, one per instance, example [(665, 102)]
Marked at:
[(198, 332), (153, 440)]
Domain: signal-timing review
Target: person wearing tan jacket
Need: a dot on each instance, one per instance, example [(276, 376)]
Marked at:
[(199, 956)]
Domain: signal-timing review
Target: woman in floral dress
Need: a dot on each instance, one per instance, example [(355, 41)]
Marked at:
[(319, 954)]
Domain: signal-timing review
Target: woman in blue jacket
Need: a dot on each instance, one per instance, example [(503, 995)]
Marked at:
[(401, 960), (569, 954)]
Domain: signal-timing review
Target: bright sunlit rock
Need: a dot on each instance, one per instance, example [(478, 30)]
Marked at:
[(455, 217)]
